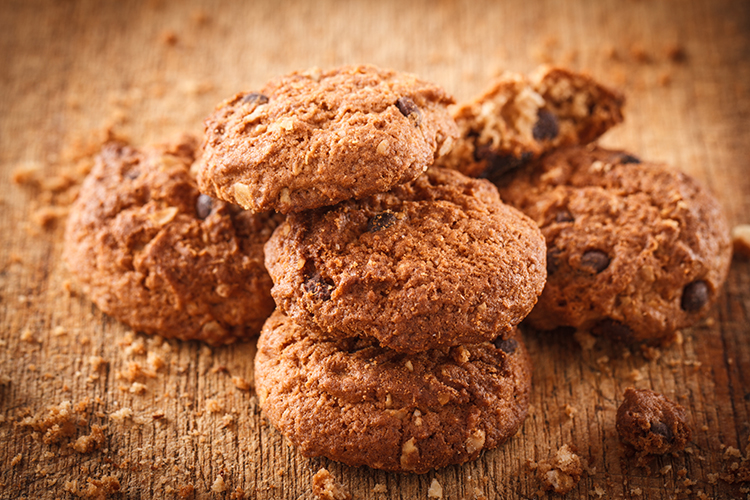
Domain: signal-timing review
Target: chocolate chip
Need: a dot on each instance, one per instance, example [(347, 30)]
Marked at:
[(628, 158), (553, 260), (608, 327), (498, 165), (663, 430), (595, 260), (564, 215), (508, 346), (254, 97), (203, 206), (380, 221), (319, 288), (409, 109), (546, 127), (694, 296)]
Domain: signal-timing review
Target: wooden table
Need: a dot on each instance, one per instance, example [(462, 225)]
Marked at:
[(166, 419)]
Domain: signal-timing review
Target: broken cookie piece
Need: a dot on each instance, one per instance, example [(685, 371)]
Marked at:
[(651, 423), (562, 472)]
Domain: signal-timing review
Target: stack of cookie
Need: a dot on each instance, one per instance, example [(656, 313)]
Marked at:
[(398, 286), (398, 278)]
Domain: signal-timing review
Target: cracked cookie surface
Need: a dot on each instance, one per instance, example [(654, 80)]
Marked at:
[(353, 401), (636, 250), (520, 118), (312, 139), (154, 253), (437, 262)]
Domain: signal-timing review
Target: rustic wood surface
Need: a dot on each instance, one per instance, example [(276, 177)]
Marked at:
[(177, 420)]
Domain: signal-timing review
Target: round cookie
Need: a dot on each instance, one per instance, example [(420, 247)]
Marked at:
[(312, 139), (154, 253), (635, 250), (356, 402), (434, 263)]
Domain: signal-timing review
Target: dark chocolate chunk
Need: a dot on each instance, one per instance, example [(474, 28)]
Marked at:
[(595, 260), (546, 127), (319, 288), (254, 97), (498, 165), (508, 346), (203, 206), (694, 296), (628, 158), (383, 220), (613, 329), (409, 109), (663, 430), (564, 215)]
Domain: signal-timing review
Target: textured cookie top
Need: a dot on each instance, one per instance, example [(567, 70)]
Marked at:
[(312, 139), (154, 253), (356, 402), (635, 250), (519, 118), (438, 262)]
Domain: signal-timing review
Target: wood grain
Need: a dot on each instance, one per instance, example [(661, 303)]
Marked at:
[(152, 70)]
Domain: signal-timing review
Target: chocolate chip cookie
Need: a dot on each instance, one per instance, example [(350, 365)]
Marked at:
[(636, 250), (312, 139), (438, 262), (154, 253), (519, 118), (354, 401), (651, 423)]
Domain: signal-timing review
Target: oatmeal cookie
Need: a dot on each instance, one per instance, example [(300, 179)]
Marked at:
[(636, 250), (154, 253), (519, 118), (356, 402), (312, 139), (438, 262)]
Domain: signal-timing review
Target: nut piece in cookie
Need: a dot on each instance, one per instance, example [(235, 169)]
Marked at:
[(312, 139), (154, 253), (651, 423), (356, 402), (435, 263), (520, 118), (635, 250)]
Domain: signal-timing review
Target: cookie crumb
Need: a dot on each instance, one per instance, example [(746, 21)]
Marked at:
[(90, 442), (219, 486), (741, 240), (325, 487), (213, 406), (570, 411), (121, 414), (240, 383), (16, 460), (562, 472), (436, 490), (585, 340), (380, 488)]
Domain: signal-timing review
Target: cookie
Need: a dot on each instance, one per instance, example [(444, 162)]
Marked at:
[(312, 139), (636, 250), (438, 262), (651, 423), (356, 402), (519, 118), (154, 253)]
